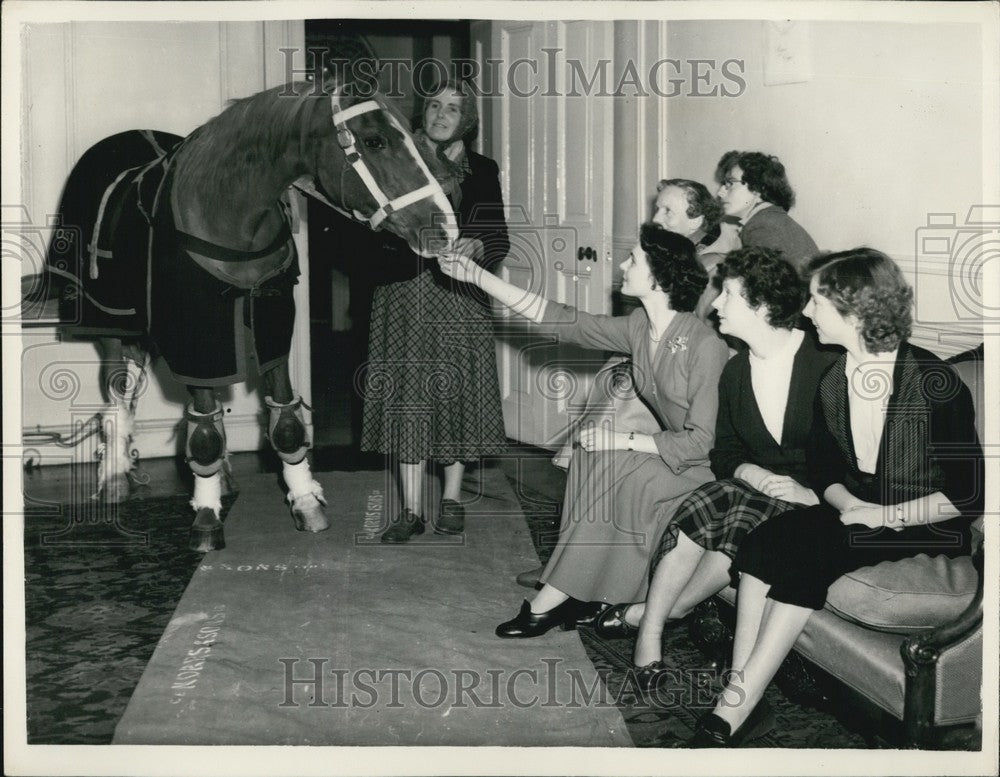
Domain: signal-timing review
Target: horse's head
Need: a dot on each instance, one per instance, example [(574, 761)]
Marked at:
[(369, 163)]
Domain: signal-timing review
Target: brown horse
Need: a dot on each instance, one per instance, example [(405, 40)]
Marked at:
[(185, 245)]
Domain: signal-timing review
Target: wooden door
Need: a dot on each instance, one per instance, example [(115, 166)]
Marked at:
[(554, 152)]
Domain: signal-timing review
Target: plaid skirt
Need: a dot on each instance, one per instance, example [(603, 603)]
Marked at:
[(718, 515), (430, 385)]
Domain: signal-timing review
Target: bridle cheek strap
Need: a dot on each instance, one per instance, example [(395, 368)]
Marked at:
[(386, 206)]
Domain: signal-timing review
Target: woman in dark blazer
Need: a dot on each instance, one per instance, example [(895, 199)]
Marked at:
[(895, 458), (431, 391), (766, 397), (754, 190)]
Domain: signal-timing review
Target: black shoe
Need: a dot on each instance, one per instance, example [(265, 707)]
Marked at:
[(713, 731), (529, 624), (650, 676), (587, 613), (612, 623), (530, 579), (451, 519), (402, 527)]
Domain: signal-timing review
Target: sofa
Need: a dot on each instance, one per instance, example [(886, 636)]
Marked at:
[(904, 638)]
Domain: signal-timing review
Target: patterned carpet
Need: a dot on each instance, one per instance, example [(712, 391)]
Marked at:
[(669, 716), (100, 592)]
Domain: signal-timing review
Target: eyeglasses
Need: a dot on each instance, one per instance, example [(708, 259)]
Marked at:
[(729, 183)]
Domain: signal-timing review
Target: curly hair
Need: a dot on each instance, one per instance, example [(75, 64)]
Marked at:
[(468, 123), (868, 285), (700, 201), (768, 279), (674, 265), (763, 174)]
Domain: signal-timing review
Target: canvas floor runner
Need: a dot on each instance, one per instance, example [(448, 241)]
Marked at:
[(334, 639)]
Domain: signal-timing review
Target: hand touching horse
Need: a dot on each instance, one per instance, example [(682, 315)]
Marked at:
[(187, 244)]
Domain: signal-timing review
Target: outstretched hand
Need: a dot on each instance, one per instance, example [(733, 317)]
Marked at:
[(460, 267)]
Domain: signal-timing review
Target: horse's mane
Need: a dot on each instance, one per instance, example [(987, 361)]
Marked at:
[(250, 135)]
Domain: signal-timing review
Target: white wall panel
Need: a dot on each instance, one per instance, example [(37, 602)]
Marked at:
[(83, 82)]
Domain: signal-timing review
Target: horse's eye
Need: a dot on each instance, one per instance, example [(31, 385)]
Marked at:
[(375, 142)]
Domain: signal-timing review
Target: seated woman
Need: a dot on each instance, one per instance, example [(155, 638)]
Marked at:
[(754, 189), (766, 397), (895, 458), (688, 208), (622, 486)]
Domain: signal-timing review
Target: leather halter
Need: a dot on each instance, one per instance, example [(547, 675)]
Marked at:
[(345, 138)]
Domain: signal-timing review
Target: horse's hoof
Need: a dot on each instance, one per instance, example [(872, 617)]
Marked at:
[(307, 512), (116, 489), (206, 531)]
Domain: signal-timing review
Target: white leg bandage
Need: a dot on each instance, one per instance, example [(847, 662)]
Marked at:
[(208, 492), (299, 479)]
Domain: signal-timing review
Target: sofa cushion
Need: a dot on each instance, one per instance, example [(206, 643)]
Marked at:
[(913, 594)]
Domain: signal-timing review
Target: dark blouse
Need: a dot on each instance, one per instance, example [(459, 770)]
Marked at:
[(929, 440), (740, 433)]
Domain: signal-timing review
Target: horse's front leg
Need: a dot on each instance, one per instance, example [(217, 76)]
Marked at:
[(206, 455), (286, 430), (123, 364)]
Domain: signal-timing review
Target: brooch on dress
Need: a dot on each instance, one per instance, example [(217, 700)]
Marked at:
[(679, 343)]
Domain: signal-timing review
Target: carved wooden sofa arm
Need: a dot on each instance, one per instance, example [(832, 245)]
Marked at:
[(921, 657)]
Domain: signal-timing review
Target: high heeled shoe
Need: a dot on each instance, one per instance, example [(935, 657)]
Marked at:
[(713, 731), (530, 579), (612, 623), (531, 624), (588, 613), (648, 677)]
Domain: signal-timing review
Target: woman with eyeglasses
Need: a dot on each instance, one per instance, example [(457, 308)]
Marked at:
[(754, 190)]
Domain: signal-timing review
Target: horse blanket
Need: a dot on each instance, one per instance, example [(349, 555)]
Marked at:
[(137, 274)]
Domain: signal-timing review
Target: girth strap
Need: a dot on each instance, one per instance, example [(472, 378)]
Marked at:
[(223, 254)]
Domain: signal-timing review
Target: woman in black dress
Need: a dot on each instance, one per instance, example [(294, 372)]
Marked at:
[(894, 457), (431, 390)]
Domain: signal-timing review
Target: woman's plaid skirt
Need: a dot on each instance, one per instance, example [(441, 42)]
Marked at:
[(718, 515)]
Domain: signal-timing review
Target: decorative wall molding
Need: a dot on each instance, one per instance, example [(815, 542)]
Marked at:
[(56, 120)]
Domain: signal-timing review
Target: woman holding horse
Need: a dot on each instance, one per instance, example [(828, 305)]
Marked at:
[(894, 458), (766, 397), (431, 391), (622, 486)]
